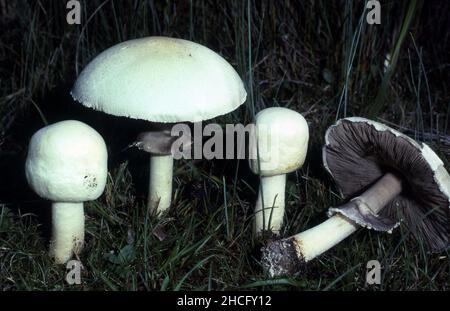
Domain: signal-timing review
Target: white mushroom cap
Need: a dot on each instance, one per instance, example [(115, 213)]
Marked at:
[(160, 79), (67, 162), (282, 141)]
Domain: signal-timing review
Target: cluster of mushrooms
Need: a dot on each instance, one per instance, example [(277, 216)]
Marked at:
[(384, 176)]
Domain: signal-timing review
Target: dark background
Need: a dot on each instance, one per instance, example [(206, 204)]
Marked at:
[(319, 58)]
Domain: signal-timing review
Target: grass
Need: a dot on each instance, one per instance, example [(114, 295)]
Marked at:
[(317, 57)]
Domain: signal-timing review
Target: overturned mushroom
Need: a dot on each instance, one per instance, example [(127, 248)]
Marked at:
[(67, 164), (273, 156), (387, 177), (163, 80)]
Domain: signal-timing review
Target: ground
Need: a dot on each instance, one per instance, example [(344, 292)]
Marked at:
[(319, 58)]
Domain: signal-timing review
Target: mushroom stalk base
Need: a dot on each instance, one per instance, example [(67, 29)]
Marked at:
[(272, 193), (160, 188), (67, 231), (285, 257)]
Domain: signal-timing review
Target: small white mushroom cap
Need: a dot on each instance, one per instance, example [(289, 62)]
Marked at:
[(67, 162), (282, 141), (160, 79)]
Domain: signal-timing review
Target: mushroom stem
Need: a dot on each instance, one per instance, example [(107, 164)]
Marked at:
[(271, 194), (67, 230), (284, 256), (160, 188), (381, 193)]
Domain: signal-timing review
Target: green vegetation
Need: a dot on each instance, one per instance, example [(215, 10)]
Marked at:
[(317, 57)]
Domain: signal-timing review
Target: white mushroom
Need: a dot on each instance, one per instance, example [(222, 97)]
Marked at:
[(386, 177), (164, 80), (281, 146), (67, 164)]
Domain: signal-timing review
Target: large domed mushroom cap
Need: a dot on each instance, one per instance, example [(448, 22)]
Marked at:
[(160, 79), (358, 152)]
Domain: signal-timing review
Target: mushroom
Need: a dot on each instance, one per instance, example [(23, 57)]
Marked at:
[(162, 80), (273, 156), (386, 177), (67, 164)]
